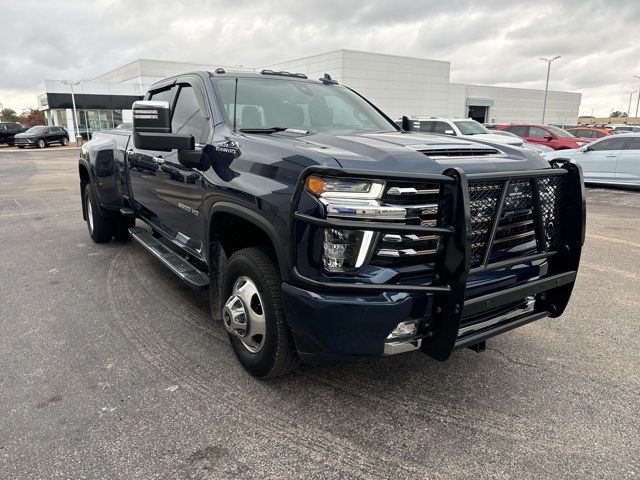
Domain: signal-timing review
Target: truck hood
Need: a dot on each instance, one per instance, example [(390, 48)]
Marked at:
[(412, 152)]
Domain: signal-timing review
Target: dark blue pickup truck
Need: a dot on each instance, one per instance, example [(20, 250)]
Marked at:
[(325, 232)]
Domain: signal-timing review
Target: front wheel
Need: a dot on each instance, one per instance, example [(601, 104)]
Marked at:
[(41, 143), (253, 315)]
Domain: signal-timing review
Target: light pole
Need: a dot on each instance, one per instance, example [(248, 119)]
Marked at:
[(638, 102), (546, 87), (75, 112), (630, 92)]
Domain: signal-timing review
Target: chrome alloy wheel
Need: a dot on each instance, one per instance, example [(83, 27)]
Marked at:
[(243, 315), (90, 215)]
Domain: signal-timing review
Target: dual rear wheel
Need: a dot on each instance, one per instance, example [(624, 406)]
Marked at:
[(103, 228)]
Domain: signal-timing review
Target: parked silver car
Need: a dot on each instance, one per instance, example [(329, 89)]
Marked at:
[(613, 160)]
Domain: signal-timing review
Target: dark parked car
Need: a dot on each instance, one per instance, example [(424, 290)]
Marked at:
[(322, 230), (8, 130), (42, 136)]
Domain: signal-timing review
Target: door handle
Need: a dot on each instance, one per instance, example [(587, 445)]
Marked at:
[(158, 160), (611, 155)]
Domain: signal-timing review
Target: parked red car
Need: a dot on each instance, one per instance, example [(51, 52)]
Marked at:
[(548, 135)]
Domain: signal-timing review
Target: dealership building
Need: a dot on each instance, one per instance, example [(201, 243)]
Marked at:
[(398, 85)]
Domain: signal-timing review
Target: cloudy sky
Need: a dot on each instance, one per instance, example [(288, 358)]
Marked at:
[(488, 42)]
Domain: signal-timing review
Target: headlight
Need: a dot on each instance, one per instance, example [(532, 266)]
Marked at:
[(326, 187), (347, 250)]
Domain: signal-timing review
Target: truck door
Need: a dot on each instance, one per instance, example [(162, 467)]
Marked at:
[(599, 159), (628, 166), (178, 189), (143, 166)]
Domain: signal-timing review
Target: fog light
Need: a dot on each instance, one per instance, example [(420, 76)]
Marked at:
[(345, 250), (408, 328)]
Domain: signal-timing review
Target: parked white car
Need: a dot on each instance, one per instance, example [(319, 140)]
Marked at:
[(613, 160), (459, 127)]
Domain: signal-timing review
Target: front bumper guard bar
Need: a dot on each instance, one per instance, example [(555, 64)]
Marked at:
[(453, 259)]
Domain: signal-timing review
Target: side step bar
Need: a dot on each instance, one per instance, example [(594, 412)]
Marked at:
[(178, 265)]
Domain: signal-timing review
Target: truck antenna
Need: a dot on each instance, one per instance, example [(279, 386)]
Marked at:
[(235, 105)]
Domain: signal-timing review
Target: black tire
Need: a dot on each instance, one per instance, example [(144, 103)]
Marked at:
[(122, 225), (41, 143), (277, 355), (64, 142), (101, 228)]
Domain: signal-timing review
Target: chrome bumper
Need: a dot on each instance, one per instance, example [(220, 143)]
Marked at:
[(411, 344)]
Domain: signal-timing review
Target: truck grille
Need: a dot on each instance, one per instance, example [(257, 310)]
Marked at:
[(516, 229), (406, 249), (515, 234)]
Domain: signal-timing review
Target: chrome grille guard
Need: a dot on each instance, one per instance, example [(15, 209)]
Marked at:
[(456, 259)]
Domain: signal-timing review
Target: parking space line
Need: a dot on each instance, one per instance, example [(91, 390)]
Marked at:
[(607, 269), (613, 240)]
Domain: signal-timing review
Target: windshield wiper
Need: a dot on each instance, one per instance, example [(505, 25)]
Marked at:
[(264, 130)]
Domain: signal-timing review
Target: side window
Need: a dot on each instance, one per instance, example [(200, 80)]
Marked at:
[(3, 126), (520, 131), (163, 95), (187, 117), (47, 130), (634, 144), (599, 134), (537, 132), (609, 144), (427, 126), (440, 127)]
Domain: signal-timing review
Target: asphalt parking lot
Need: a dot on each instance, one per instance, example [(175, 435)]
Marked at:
[(111, 368)]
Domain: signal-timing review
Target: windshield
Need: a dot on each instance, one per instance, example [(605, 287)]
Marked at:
[(266, 103), (35, 130), (471, 127), (559, 132)]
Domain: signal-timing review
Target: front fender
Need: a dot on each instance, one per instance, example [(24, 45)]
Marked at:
[(279, 242)]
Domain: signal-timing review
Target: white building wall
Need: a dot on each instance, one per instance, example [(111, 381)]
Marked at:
[(397, 85), (145, 72), (456, 107), (519, 105), (92, 87), (421, 87), (314, 66)]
